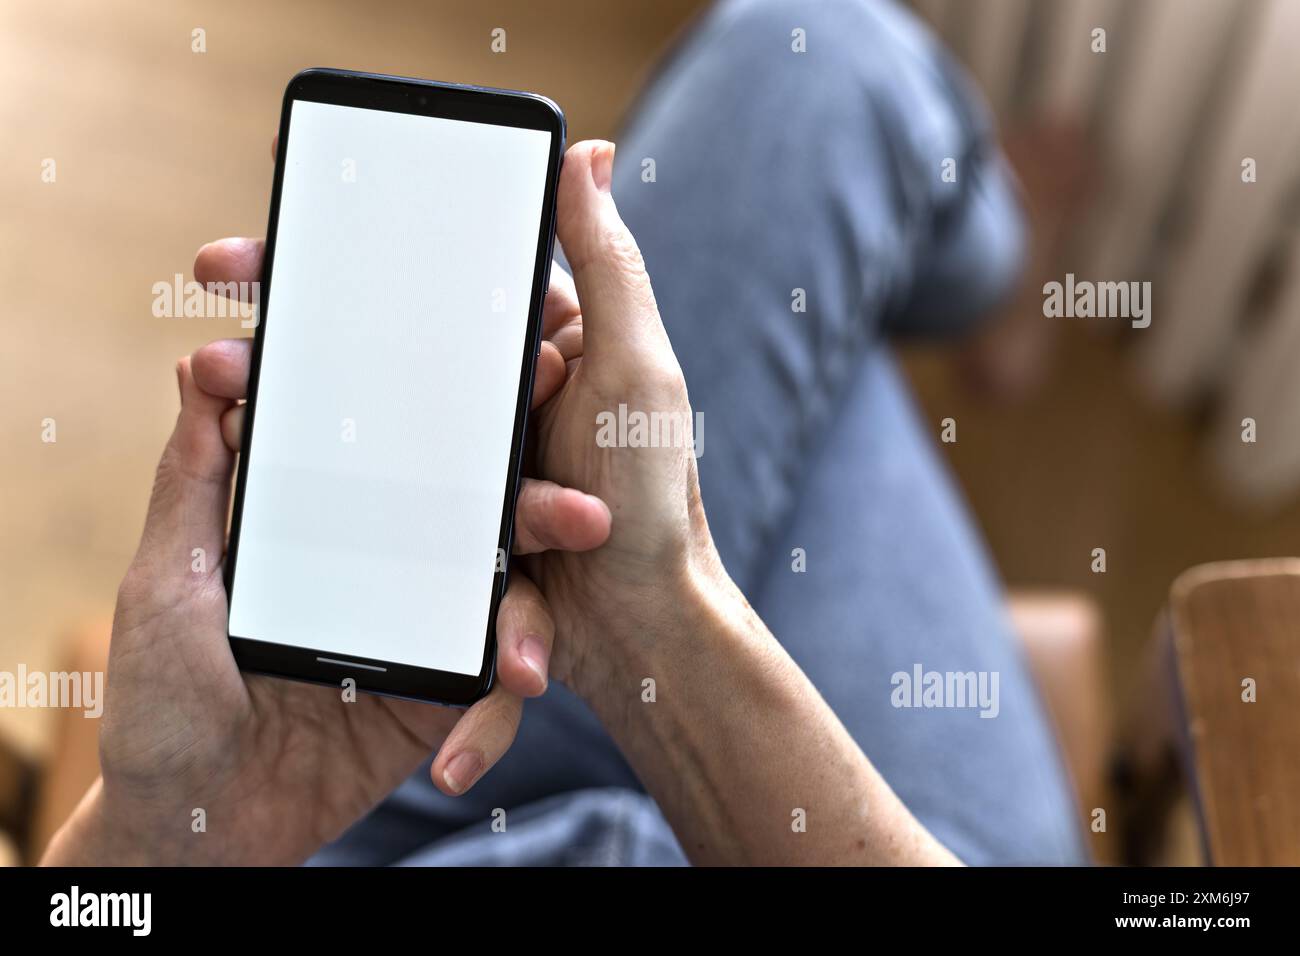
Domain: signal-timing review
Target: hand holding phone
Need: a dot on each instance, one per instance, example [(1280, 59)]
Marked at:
[(276, 768), (623, 607)]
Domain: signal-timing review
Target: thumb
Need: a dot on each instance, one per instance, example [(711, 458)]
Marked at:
[(618, 305), (185, 530)]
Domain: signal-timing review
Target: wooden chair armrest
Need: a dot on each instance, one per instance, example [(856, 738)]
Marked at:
[(1235, 643)]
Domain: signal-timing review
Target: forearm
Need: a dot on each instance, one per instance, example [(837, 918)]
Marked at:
[(744, 757)]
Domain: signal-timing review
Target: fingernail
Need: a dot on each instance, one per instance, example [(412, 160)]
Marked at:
[(462, 771), (533, 652), (602, 167), (604, 507)]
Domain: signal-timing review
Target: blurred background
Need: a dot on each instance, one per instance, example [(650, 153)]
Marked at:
[(1131, 158)]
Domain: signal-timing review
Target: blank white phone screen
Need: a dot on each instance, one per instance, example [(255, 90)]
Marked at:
[(395, 326)]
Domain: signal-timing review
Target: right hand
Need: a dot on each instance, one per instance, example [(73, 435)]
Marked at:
[(613, 603)]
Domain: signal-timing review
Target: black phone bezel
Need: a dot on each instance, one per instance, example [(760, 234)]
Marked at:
[(423, 98)]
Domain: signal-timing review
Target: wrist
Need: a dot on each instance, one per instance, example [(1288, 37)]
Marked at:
[(107, 829), (89, 837), (692, 615)]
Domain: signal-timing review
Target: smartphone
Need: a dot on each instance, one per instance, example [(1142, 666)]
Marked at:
[(407, 256)]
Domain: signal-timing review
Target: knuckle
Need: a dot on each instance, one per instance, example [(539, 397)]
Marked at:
[(527, 610), (166, 478), (622, 251)]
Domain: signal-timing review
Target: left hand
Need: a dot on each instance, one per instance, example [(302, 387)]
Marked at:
[(279, 768)]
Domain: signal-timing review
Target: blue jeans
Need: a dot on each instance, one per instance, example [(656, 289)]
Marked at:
[(777, 171)]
